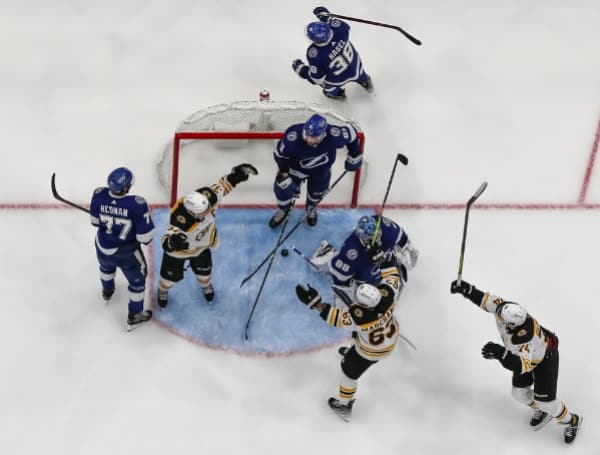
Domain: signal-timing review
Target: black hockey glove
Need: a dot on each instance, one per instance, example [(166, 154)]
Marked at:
[(463, 288), (308, 296), (375, 252), (493, 351), (176, 242), (240, 173), (322, 13)]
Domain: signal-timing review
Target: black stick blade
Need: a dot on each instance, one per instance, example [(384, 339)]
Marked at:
[(402, 158)]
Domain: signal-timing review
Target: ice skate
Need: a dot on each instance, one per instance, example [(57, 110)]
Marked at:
[(572, 428), (311, 215), (338, 95), (344, 411), (539, 419), (107, 294), (134, 320), (278, 218), (367, 85), (162, 299), (209, 293)]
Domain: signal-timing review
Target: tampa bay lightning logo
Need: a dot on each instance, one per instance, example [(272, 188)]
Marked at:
[(315, 161), (292, 136), (312, 52), (140, 200), (334, 131), (352, 254)]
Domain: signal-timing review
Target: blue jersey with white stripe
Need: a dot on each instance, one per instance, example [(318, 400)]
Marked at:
[(123, 222), (295, 156)]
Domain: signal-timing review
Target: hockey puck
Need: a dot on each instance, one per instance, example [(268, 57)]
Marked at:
[(284, 252)]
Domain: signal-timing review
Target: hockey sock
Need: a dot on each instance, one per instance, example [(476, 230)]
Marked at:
[(347, 389)]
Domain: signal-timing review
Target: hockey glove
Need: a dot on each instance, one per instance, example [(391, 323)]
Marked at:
[(240, 173), (283, 181), (493, 351), (176, 242), (463, 288), (322, 13), (375, 252), (353, 163), (308, 296), (300, 68)]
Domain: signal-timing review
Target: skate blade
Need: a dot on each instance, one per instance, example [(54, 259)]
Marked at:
[(342, 415), (132, 327), (544, 422)]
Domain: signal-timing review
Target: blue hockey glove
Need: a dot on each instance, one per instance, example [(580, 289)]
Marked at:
[(283, 181), (493, 351), (352, 163), (300, 68), (322, 13)]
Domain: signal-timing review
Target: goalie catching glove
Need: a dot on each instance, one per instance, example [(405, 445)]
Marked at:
[(309, 296), (175, 242), (240, 173)]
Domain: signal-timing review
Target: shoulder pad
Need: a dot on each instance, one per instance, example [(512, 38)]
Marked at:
[(335, 131), (335, 23), (210, 194), (99, 189), (291, 136), (140, 200)]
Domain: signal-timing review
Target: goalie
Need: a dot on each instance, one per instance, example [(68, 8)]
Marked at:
[(192, 233), (362, 253)]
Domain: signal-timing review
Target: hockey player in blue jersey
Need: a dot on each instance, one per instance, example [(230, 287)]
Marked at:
[(123, 223), (306, 152), (363, 251), (332, 60)]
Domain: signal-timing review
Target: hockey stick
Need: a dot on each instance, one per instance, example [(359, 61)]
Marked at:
[(62, 199), (379, 24), (470, 202), (273, 253), (293, 229), (404, 160), (301, 254)]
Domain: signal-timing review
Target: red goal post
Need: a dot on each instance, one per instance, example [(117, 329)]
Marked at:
[(240, 122)]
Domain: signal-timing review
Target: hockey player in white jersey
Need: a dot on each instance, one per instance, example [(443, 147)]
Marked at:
[(192, 233), (530, 351), (371, 315)]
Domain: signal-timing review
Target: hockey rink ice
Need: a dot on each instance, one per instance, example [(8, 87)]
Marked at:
[(504, 92)]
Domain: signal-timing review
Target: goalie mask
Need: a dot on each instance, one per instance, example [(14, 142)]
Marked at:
[(510, 314), (196, 203), (365, 230), (367, 295)]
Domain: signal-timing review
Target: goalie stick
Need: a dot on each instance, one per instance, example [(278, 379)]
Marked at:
[(62, 199), (296, 226), (470, 202)]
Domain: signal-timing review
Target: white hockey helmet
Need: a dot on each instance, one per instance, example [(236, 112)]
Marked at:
[(196, 203), (511, 314), (368, 295)]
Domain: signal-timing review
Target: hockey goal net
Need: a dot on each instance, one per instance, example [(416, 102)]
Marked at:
[(220, 136)]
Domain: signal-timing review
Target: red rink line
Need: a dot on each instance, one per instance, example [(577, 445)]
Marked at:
[(590, 166), (374, 207)]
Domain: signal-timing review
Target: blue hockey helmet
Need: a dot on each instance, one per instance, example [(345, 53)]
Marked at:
[(319, 33), (315, 126), (120, 180), (365, 229)]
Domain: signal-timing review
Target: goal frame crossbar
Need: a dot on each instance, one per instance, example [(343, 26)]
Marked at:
[(208, 135)]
